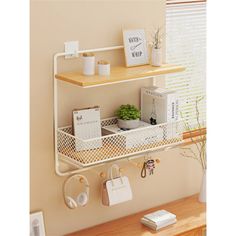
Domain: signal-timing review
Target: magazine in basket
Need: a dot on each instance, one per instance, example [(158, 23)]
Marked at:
[(87, 125)]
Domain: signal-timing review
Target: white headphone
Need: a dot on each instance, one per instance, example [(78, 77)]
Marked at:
[(82, 198)]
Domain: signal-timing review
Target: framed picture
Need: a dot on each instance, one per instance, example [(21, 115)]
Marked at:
[(135, 46), (37, 224)]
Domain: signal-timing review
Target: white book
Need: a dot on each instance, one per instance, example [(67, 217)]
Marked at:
[(158, 217), (148, 222), (148, 225), (159, 226), (87, 125), (159, 105)]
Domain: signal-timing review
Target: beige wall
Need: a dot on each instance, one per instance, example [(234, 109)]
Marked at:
[(94, 24)]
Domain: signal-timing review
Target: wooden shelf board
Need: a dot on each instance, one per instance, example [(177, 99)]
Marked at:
[(118, 74), (194, 133)]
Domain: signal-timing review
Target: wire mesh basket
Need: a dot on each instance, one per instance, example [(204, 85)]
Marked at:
[(93, 151)]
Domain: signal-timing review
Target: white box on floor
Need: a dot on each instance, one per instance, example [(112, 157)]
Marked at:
[(87, 125), (159, 105)]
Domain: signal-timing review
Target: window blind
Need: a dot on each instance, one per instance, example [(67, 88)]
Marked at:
[(186, 45)]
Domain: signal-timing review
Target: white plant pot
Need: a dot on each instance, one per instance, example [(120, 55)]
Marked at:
[(128, 124), (156, 59), (202, 194), (89, 65)]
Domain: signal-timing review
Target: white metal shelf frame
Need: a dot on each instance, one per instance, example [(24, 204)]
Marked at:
[(78, 169)]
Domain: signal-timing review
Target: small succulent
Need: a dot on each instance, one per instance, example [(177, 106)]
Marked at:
[(128, 112)]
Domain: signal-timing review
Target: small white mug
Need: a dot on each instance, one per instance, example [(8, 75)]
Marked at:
[(88, 64), (103, 68)]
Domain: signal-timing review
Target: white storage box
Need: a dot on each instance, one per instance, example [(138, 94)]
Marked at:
[(131, 139), (158, 106)]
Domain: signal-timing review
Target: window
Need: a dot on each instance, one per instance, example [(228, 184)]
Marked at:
[(186, 45)]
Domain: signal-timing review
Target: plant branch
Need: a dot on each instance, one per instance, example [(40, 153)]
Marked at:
[(200, 143)]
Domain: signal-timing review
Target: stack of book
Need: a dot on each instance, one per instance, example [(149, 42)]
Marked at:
[(158, 219)]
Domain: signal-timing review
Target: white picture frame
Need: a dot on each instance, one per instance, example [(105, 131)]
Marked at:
[(37, 224), (135, 47)]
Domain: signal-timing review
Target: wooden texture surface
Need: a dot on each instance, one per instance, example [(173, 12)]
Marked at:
[(194, 133), (191, 220), (118, 74)]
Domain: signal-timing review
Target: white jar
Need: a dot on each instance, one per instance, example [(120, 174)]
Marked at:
[(156, 59), (88, 64), (103, 68)]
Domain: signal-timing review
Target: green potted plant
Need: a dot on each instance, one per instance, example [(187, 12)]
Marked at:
[(128, 117)]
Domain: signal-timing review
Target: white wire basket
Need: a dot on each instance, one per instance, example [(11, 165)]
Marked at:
[(94, 151)]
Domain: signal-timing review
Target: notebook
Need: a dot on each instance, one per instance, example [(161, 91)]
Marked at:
[(87, 125), (158, 219)]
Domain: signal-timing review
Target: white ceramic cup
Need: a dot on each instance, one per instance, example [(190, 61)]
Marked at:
[(104, 69), (88, 65)]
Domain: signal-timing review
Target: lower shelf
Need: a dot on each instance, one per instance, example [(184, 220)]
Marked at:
[(85, 153)]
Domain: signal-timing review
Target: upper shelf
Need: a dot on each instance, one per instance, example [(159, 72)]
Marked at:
[(118, 74)]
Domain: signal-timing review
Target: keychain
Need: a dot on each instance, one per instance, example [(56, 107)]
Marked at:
[(148, 165)]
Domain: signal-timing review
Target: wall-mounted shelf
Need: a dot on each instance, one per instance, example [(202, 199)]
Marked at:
[(118, 75), (67, 146)]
